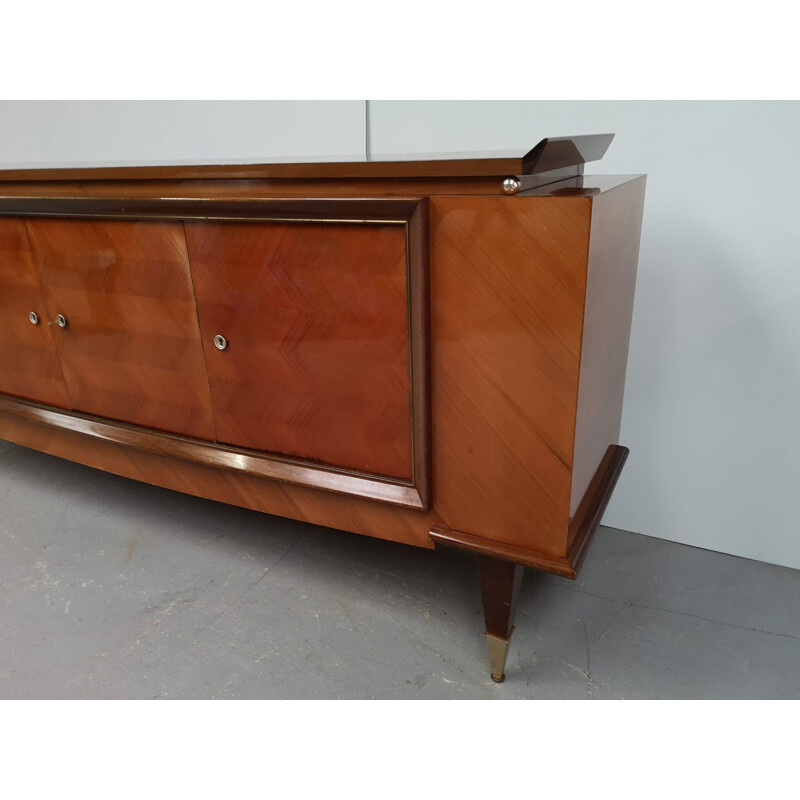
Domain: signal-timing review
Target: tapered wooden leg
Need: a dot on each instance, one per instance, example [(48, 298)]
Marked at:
[(500, 581)]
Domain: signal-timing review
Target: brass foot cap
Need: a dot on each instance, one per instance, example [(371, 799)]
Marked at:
[(498, 652)]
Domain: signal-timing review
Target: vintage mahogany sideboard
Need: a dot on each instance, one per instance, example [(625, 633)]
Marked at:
[(431, 352)]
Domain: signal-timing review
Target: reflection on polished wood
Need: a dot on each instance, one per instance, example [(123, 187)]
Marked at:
[(506, 363), (417, 357), (29, 365), (349, 512), (509, 278), (581, 526), (131, 350), (610, 284), (316, 319), (548, 154)]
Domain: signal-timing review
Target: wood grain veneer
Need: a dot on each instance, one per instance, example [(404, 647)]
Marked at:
[(412, 355), (316, 319), (327, 508), (582, 526), (509, 279), (241, 460), (507, 283), (608, 308), (131, 349), (29, 365), (549, 154)]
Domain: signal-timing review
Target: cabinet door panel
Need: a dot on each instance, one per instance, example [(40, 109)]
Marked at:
[(316, 319), (29, 365), (131, 350)]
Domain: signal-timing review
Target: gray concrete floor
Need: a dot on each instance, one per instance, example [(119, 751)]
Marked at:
[(115, 589)]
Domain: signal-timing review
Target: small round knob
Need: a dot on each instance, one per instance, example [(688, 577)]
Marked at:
[(34, 318), (511, 185), (61, 321), (220, 342)]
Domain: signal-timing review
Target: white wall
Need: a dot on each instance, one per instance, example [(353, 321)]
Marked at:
[(712, 398), (713, 387), (111, 133)]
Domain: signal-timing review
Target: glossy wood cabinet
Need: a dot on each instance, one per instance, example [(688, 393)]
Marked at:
[(431, 352)]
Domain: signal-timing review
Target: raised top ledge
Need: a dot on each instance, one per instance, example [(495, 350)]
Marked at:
[(550, 154)]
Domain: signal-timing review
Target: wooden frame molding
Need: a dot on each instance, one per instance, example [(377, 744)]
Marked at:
[(410, 213), (250, 462), (300, 209), (590, 511), (581, 527), (548, 154)]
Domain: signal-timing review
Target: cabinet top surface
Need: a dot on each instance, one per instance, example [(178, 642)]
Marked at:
[(550, 154)]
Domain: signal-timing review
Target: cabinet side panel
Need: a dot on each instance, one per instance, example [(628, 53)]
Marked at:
[(507, 290), (316, 319), (613, 256)]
